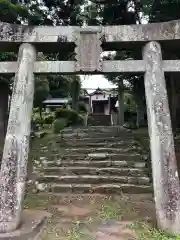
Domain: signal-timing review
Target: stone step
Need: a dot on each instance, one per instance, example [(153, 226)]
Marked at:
[(90, 179), (109, 139), (95, 135), (105, 163), (100, 188), (86, 144), (99, 156), (95, 171), (101, 150), (97, 129)]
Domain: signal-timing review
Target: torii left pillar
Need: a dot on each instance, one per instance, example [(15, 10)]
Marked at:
[(15, 155)]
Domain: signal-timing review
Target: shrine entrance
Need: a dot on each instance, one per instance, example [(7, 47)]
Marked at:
[(88, 44)]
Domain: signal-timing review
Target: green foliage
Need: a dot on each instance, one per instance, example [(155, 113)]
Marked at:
[(114, 12), (81, 107), (41, 91), (145, 232), (12, 13), (62, 113), (59, 86), (65, 12), (72, 116), (129, 103), (162, 10), (49, 119), (59, 124), (35, 110), (37, 120), (75, 86)]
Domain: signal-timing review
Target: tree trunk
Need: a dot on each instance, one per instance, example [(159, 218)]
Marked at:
[(164, 166), (4, 95), (140, 121), (29, 164), (120, 105), (74, 103), (40, 113), (15, 155)]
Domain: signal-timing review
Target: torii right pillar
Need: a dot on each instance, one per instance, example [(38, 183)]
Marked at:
[(164, 166)]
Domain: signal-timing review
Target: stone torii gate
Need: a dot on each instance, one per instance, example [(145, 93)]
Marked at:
[(88, 44)]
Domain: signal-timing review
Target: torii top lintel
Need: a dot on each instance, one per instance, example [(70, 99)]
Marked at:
[(112, 37)]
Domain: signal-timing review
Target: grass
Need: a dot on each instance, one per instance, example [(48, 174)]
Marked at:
[(76, 234), (48, 143), (110, 210), (145, 232), (33, 201)]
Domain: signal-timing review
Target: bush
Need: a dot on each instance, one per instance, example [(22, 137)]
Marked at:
[(59, 124), (72, 116), (62, 113), (37, 120), (46, 113), (36, 110), (49, 119), (81, 106), (80, 120)]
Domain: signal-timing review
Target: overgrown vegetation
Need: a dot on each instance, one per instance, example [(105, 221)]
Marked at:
[(59, 124), (57, 120), (104, 210)]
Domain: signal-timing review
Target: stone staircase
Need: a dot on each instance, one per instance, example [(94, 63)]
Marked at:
[(99, 119), (96, 160)]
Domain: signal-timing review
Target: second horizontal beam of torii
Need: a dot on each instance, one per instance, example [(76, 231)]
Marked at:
[(69, 67)]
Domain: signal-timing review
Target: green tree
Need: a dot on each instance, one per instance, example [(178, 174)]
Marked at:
[(58, 86), (41, 93), (75, 87), (12, 11), (115, 12)]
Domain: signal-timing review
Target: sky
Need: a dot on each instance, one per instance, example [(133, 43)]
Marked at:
[(96, 81)]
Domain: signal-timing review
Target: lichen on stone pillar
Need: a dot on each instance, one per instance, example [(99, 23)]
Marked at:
[(164, 166), (15, 155)]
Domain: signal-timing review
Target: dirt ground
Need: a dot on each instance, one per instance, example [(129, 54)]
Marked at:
[(97, 217)]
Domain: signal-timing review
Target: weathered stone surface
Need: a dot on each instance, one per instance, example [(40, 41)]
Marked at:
[(88, 169), (102, 150), (97, 144), (100, 188), (88, 52), (13, 33), (99, 156), (32, 226), (14, 161), (105, 163), (96, 172), (94, 179), (66, 67), (113, 230), (72, 211), (164, 166)]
